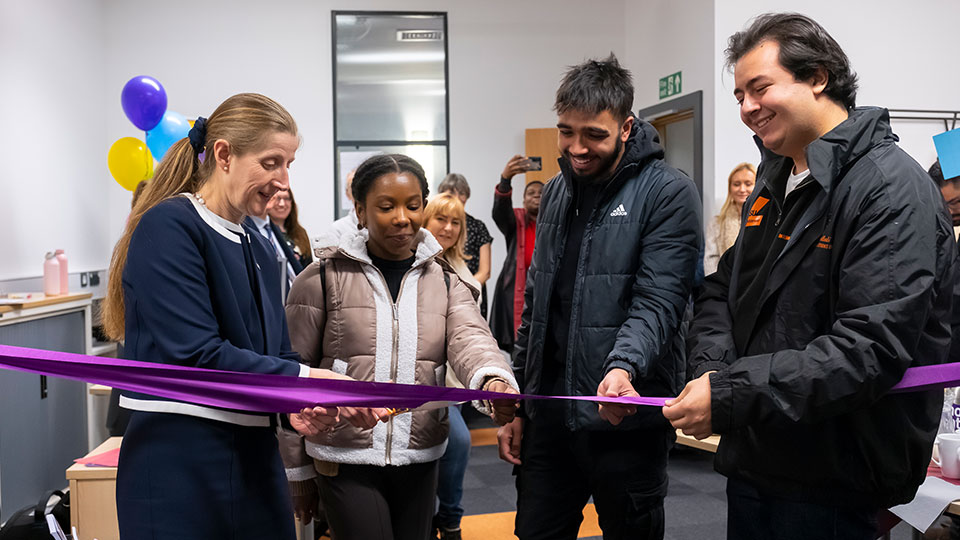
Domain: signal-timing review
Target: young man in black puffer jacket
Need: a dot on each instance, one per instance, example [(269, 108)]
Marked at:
[(618, 240)]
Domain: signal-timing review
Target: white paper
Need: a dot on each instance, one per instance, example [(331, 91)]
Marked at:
[(933, 497), (55, 531)]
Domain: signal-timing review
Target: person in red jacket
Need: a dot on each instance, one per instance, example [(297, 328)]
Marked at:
[(519, 226)]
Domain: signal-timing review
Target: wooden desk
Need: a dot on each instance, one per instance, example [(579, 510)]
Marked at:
[(709, 444), (93, 497), (46, 301), (99, 390)]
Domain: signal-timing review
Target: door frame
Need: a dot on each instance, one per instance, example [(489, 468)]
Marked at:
[(694, 101)]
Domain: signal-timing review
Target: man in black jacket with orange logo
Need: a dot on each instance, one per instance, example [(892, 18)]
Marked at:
[(840, 280)]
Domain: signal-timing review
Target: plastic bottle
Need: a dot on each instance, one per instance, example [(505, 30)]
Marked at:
[(64, 276), (951, 409), (955, 409), (51, 274)]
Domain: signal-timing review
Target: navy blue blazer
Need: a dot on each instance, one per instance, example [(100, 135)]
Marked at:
[(195, 294)]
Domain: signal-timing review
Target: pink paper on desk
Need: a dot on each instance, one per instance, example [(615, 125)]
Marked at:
[(110, 458)]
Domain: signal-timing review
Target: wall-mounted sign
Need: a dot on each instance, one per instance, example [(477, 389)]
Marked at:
[(670, 85), (419, 35)]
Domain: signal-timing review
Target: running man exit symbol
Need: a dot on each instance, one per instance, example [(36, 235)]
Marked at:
[(671, 85)]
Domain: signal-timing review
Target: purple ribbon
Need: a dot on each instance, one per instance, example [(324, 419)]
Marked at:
[(928, 378), (254, 392)]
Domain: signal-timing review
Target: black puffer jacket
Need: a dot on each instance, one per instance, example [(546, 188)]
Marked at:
[(860, 292), (637, 262)]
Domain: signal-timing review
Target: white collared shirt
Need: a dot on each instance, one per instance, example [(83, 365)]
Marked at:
[(263, 225)]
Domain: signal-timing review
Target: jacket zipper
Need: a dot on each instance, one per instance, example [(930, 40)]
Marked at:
[(807, 226), (394, 360), (395, 353)]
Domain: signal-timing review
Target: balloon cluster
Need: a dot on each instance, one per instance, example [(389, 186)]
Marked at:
[(144, 102)]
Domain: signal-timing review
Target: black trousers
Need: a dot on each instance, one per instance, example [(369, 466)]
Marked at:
[(751, 515), (624, 471), (368, 502)]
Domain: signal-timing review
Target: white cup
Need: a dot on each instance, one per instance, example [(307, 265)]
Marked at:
[(949, 446)]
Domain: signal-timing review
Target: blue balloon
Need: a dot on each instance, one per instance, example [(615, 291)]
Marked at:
[(144, 101), (171, 129)]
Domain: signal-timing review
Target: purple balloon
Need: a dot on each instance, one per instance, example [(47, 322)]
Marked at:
[(144, 101)]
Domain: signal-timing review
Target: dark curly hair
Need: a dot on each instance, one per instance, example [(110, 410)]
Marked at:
[(596, 86), (377, 166), (805, 47), (936, 172)]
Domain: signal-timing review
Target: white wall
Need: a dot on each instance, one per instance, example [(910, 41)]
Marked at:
[(203, 52), (902, 54), (65, 62), (53, 142), (506, 59), (666, 36)]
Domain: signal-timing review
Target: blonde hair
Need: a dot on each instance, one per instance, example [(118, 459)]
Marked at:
[(244, 121), (729, 202), (724, 235), (446, 204)]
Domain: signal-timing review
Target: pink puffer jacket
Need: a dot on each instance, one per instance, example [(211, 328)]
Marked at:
[(352, 326)]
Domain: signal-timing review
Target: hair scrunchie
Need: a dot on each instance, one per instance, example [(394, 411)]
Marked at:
[(198, 134)]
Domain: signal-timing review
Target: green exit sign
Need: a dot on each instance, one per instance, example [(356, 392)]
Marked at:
[(670, 85)]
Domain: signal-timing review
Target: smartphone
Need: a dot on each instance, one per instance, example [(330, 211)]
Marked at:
[(536, 164)]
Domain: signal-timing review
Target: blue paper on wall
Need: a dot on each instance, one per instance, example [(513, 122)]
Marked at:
[(948, 152)]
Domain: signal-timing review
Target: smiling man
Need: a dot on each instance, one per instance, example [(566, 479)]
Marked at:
[(618, 238), (839, 281)]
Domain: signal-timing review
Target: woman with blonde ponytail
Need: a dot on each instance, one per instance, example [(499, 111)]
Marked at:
[(186, 289)]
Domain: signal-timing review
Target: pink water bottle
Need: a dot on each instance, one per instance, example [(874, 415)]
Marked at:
[(64, 276), (51, 274)]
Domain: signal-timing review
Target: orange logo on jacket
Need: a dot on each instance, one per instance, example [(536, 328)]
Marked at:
[(825, 242), (754, 218)]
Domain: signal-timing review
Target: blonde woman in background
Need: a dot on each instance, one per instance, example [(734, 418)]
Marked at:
[(723, 229), (446, 219), (476, 250)]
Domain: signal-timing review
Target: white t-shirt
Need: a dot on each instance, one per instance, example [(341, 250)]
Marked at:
[(794, 180)]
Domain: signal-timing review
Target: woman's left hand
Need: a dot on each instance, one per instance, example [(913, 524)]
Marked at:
[(312, 421), (504, 410)]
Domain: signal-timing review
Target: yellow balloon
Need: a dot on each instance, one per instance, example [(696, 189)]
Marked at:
[(130, 162)]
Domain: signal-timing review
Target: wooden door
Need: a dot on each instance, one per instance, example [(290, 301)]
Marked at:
[(543, 142)]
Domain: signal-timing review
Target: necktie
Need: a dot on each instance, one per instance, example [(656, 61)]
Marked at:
[(268, 234)]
